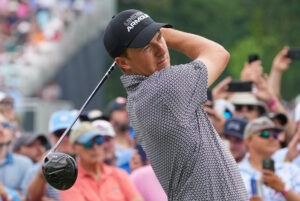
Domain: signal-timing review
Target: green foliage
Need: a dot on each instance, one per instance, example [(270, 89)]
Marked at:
[(241, 26)]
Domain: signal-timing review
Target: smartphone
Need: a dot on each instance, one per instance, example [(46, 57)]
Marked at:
[(239, 86), (209, 95), (268, 164), (253, 57), (293, 53)]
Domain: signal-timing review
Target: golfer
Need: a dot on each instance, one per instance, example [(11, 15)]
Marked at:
[(165, 106)]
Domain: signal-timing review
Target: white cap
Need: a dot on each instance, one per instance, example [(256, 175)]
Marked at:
[(105, 127), (297, 113), (4, 96), (221, 105)]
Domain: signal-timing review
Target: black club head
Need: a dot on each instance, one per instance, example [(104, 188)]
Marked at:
[(60, 170)]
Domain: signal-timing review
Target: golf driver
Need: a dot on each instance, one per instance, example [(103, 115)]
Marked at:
[(60, 169)]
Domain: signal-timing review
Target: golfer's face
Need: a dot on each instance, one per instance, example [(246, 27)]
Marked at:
[(153, 57)]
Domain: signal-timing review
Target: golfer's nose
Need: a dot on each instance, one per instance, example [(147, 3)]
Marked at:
[(160, 49)]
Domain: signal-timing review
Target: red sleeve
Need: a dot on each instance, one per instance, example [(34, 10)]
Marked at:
[(126, 185)]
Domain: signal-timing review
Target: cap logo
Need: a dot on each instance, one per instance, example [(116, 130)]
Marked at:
[(234, 126), (134, 20)]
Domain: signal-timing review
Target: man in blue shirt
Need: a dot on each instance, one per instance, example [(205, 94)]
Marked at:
[(13, 167)]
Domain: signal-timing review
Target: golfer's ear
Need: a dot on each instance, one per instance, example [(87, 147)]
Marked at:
[(122, 63)]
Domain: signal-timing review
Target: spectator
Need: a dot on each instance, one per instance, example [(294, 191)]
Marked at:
[(30, 145), (280, 120), (234, 132), (247, 106), (217, 119), (38, 188), (13, 167), (120, 122), (58, 123), (144, 178), (7, 108), (261, 140), (290, 153), (108, 133), (96, 181), (8, 194), (138, 159)]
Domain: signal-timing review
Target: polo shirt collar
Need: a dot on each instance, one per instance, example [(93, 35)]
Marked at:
[(106, 171), (8, 159)]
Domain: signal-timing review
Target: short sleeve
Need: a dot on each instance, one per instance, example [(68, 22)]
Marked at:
[(126, 185), (184, 87)]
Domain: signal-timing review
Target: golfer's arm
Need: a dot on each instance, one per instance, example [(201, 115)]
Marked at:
[(211, 53), (37, 188)]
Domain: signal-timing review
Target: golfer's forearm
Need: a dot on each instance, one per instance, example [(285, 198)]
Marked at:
[(214, 56), (192, 45), (37, 188)]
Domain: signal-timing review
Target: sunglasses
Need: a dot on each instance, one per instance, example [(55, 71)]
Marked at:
[(249, 107), (7, 104), (89, 144), (5, 124), (267, 134), (60, 132)]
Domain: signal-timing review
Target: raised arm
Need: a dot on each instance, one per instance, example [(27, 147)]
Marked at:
[(209, 52)]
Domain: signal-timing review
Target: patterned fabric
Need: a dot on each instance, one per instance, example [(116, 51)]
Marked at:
[(279, 156), (185, 151), (289, 174)]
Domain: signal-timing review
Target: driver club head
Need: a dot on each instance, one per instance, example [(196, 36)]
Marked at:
[(60, 170)]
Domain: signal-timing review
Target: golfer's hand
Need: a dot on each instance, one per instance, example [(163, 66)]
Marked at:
[(273, 181)]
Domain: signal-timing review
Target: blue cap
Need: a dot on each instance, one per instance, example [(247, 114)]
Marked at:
[(61, 119), (88, 136), (235, 127)]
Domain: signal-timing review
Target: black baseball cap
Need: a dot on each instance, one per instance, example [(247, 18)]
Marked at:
[(235, 127), (130, 29)]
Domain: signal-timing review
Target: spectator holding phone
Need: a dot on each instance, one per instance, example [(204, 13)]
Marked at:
[(261, 139)]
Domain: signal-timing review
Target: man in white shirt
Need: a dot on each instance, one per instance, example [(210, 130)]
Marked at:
[(261, 139)]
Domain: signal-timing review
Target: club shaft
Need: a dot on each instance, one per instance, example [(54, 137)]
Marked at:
[(108, 72)]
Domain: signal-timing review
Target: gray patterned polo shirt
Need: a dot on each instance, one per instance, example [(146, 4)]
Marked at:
[(185, 151)]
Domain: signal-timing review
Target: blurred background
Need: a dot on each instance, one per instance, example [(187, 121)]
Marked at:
[(52, 54)]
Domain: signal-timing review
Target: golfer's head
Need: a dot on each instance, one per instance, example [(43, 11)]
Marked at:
[(132, 38)]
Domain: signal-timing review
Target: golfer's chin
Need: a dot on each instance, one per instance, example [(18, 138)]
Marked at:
[(163, 64)]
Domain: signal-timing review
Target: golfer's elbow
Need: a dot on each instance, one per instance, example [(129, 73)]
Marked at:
[(224, 57)]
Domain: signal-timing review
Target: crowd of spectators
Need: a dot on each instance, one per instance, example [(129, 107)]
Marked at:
[(255, 125), (28, 27)]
